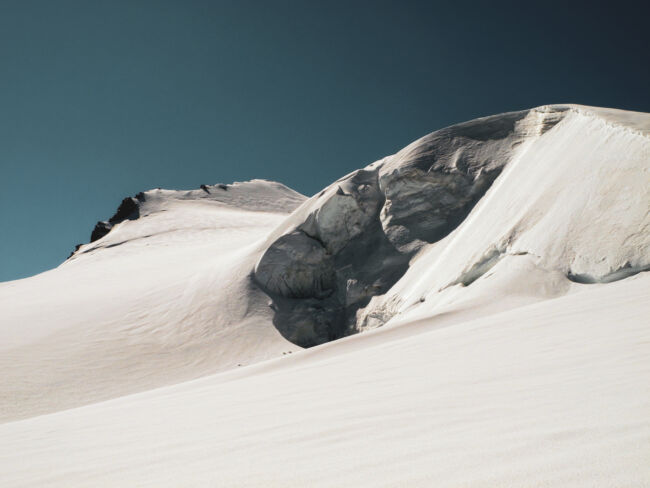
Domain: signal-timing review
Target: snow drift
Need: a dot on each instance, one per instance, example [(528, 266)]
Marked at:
[(524, 231)]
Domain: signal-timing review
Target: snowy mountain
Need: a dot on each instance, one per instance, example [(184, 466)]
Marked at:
[(159, 299), (470, 311)]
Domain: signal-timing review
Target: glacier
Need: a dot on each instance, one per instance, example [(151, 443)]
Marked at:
[(472, 310)]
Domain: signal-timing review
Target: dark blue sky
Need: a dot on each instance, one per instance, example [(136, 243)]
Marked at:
[(102, 99)]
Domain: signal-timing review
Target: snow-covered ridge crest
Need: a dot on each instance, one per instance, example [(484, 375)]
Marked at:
[(624, 119), (251, 196)]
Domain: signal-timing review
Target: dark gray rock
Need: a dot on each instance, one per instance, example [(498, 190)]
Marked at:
[(296, 266), (358, 235)]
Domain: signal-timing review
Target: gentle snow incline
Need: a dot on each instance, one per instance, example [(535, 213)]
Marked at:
[(160, 299), (553, 394)]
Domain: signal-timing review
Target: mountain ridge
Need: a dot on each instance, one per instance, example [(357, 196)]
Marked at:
[(481, 217)]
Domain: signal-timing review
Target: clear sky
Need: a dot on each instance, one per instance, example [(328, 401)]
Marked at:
[(102, 99)]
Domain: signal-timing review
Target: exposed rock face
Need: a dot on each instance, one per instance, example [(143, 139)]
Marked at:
[(432, 184), (423, 207), (320, 273), (297, 266), (129, 209), (355, 239)]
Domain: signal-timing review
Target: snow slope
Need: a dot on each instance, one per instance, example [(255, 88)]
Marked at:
[(551, 394), (495, 269), (158, 300), (571, 206)]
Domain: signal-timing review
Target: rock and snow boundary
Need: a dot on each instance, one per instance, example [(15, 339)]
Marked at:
[(565, 186)]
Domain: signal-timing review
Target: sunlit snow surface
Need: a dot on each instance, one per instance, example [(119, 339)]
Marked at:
[(514, 351)]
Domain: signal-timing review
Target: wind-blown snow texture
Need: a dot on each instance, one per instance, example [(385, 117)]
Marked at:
[(492, 266)]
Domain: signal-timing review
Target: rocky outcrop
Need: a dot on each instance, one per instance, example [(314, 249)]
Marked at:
[(297, 266), (129, 209), (355, 239), (431, 185), (332, 263)]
